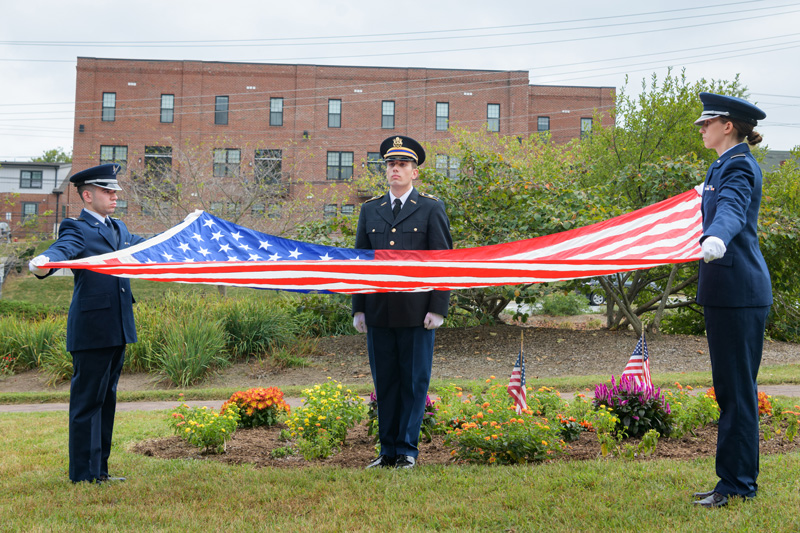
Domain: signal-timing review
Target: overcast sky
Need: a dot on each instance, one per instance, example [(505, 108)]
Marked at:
[(575, 42)]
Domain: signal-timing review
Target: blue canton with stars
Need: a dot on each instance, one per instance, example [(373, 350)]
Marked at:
[(209, 238)]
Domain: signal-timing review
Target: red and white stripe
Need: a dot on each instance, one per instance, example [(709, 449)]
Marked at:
[(663, 233)]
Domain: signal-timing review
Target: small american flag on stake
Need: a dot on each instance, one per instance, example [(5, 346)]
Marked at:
[(638, 366), (516, 385)]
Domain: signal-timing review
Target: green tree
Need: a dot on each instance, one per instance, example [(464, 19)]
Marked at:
[(779, 234), (499, 189), (56, 155), (653, 151)]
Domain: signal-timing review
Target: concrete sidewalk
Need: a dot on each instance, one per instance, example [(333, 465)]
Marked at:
[(792, 391)]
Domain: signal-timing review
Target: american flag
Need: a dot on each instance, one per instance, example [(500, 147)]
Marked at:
[(209, 250), (638, 366), (516, 385)]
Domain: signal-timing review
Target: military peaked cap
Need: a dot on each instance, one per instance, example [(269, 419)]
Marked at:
[(718, 105), (402, 148)]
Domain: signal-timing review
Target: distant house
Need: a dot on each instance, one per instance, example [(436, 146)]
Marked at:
[(774, 159), (30, 196)]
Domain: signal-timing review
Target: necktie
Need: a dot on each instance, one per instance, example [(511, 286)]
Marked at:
[(397, 205), (113, 231)]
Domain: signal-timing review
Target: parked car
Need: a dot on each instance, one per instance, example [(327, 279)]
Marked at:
[(5, 231), (597, 295)]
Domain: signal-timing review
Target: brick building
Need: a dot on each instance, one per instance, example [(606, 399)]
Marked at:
[(305, 131)]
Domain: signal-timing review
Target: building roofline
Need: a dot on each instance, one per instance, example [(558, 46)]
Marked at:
[(574, 86), (32, 164), (293, 64)]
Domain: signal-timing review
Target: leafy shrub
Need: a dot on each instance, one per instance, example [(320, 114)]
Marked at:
[(639, 408), (487, 429), (563, 304), (683, 321), (205, 428), (321, 423), (258, 406), (690, 412)]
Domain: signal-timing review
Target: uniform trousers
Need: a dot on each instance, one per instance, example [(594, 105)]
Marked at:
[(92, 405), (735, 340), (401, 360)]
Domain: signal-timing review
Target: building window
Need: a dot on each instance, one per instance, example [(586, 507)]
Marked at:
[(447, 165), (330, 210), (493, 117), (167, 108), (442, 115), (340, 165), (122, 207), (543, 124), (30, 179), (268, 166), (226, 162), (387, 114), (276, 111), (348, 209), (221, 110), (375, 163), (114, 154), (274, 211), (109, 107), (158, 161), (586, 127), (334, 113), (29, 210), (258, 209)]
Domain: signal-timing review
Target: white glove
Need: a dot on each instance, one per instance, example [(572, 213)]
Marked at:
[(433, 321), (359, 323), (713, 248), (700, 188), (36, 263)]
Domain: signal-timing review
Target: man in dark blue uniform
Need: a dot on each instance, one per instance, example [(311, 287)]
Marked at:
[(100, 321), (400, 326), (734, 289)]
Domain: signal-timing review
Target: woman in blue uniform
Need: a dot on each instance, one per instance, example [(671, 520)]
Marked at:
[(734, 289)]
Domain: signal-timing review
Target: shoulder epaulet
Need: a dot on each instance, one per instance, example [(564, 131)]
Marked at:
[(426, 195), (738, 155), (73, 218), (375, 198)]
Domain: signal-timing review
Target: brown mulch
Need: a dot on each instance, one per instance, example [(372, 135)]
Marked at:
[(254, 446)]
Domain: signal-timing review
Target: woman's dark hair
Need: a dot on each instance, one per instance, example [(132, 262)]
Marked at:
[(745, 131)]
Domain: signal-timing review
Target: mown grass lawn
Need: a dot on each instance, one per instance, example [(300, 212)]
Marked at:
[(180, 495)]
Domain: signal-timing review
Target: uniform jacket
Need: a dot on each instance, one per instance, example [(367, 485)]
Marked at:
[(422, 224), (101, 312), (731, 200)]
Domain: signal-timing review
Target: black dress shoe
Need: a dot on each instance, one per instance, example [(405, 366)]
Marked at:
[(703, 495), (405, 461), (715, 499), (105, 478), (382, 462)]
